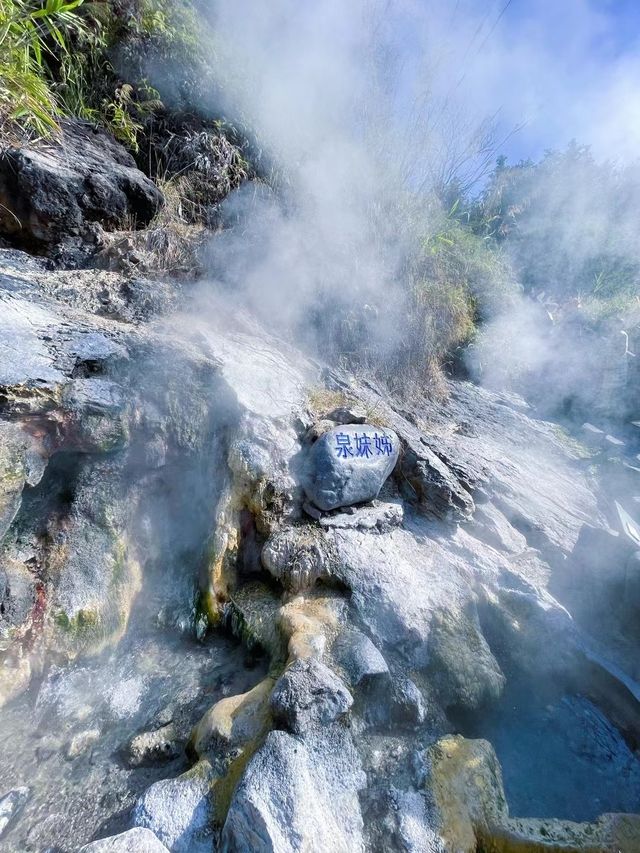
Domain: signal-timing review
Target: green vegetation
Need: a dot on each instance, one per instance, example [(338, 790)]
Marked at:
[(64, 58), (569, 226), (458, 280), (34, 37), (83, 621)]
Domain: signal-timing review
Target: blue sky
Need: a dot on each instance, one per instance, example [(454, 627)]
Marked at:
[(565, 68)]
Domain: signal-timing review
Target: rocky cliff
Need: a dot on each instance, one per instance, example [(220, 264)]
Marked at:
[(154, 505)]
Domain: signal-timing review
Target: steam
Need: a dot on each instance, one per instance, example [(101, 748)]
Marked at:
[(334, 100), (571, 342), (367, 111)]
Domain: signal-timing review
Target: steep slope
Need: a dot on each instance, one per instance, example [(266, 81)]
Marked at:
[(153, 489)]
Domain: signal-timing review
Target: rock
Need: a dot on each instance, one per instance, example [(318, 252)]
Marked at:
[(312, 511), (347, 415), (466, 780), (55, 189), (359, 659), (82, 742), (398, 584), (20, 465), (349, 465), (234, 721), (15, 674), (297, 796), (310, 622), (595, 577), (252, 615), (179, 812), (493, 527), (462, 666), (96, 414), (380, 516), (298, 557), (407, 704), (427, 481), (473, 441), (317, 430), (92, 598), (18, 596), (308, 694), (162, 744), (10, 806), (136, 840), (415, 824)]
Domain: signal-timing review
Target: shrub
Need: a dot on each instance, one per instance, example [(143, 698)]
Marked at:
[(456, 280), (60, 58), (33, 35), (569, 225)]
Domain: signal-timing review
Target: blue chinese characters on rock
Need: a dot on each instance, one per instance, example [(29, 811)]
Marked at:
[(349, 464), (362, 446)]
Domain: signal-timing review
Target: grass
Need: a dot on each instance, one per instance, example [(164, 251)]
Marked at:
[(322, 400), (56, 61), (32, 34)]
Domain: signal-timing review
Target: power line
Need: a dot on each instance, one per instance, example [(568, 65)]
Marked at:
[(475, 35), (495, 24), (484, 41)]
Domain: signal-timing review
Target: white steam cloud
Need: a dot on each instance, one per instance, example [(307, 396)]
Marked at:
[(341, 97), (365, 107)]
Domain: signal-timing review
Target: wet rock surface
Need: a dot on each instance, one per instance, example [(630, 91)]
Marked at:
[(155, 495)]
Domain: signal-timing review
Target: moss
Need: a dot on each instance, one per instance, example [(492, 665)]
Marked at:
[(225, 787), (119, 574), (84, 621)]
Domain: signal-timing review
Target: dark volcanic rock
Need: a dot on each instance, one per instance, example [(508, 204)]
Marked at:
[(407, 702), (54, 190), (309, 694), (360, 659)]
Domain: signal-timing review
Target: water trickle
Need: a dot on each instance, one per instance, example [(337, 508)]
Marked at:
[(65, 738)]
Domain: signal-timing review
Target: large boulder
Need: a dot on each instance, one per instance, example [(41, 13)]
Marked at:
[(133, 841), (349, 465), (308, 694), (179, 812), (52, 190), (297, 796)]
